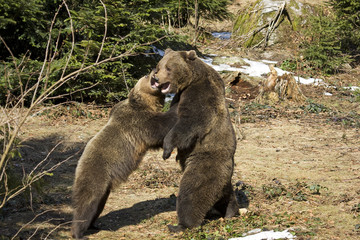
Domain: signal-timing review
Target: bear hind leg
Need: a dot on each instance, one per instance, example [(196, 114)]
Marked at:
[(100, 207), (86, 212), (226, 207), (198, 193), (231, 206), (232, 209)]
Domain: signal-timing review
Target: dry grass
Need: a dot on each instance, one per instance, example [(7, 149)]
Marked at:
[(300, 150)]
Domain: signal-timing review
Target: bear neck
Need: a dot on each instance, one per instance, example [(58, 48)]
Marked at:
[(200, 70), (147, 101)]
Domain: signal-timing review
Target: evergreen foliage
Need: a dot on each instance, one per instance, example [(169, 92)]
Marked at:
[(323, 48), (348, 18), (25, 24), (333, 36)]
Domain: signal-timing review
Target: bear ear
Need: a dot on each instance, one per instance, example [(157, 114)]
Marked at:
[(191, 55), (168, 50)]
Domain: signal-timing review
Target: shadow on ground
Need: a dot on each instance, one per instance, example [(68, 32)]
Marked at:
[(135, 214), (48, 203)]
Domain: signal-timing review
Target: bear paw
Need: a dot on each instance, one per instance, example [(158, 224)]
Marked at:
[(166, 154), (176, 228)]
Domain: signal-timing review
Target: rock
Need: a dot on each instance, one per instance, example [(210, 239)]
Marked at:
[(243, 211), (250, 26), (232, 61)]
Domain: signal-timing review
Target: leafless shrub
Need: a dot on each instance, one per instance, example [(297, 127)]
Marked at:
[(13, 114)]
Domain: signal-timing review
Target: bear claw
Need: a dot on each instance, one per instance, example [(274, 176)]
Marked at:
[(166, 155), (175, 228)]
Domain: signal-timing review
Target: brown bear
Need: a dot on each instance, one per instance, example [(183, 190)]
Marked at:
[(203, 135), (135, 125)]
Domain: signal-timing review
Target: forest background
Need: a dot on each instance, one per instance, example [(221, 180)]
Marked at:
[(93, 51), (78, 33)]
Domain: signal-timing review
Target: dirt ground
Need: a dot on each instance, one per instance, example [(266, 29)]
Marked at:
[(297, 168)]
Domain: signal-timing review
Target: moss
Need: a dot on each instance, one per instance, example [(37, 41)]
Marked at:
[(246, 23), (252, 18)]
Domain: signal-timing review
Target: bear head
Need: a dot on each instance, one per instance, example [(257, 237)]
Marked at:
[(174, 71), (146, 93), (146, 86)]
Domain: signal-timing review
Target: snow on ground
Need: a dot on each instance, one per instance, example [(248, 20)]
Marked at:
[(353, 88), (254, 68), (266, 235), (258, 69)]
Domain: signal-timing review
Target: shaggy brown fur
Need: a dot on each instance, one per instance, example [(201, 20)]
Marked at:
[(203, 135), (135, 125)]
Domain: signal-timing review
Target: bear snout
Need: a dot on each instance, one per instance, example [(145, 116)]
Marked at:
[(154, 82)]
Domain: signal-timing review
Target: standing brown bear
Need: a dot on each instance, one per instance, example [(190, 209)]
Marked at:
[(135, 125), (203, 136)]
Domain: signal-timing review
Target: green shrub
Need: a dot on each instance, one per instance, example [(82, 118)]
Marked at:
[(322, 50), (129, 25), (333, 36), (357, 95), (289, 65), (347, 17), (313, 107)]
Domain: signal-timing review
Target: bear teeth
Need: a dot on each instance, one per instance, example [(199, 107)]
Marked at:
[(165, 88), (154, 83)]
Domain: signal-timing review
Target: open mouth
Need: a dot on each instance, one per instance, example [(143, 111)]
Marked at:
[(165, 88), (154, 83)]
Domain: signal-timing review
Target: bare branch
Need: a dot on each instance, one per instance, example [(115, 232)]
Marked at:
[(46, 53), (59, 225), (105, 32), (28, 223), (73, 39), (30, 180), (79, 90)]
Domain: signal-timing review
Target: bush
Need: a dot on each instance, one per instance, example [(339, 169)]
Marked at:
[(347, 17), (333, 36), (322, 50), (129, 25)]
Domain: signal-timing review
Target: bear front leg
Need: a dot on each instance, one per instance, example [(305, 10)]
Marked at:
[(182, 136), (168, 146)]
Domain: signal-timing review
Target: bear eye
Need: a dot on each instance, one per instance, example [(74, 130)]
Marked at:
[(168, 69)]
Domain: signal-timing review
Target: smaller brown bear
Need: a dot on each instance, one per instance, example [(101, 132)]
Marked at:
[(135, 125)]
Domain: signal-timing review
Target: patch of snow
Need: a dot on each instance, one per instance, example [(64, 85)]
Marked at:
[(169, 97), (327, 94), (220, 67), (315, 81), (269, 62), (208, 60), (266, 235), (258, 69), (225, 67), (221, 35)]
